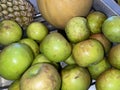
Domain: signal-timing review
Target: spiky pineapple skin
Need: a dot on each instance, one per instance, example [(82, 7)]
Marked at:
[(21, 11)]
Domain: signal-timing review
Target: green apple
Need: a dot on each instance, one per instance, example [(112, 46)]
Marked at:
[(111, 28), (14, 60), (70, 60), (32, 44), (77, 29), (109, 80), (95, 20), (41, 76), (37, 31), (114, 56), (75, 78), (10, 32), (103, 40), (96, 69), (55, 47), (88, 52), (40, 58), (15, 85)]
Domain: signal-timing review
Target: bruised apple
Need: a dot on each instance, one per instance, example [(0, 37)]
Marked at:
[(75, 78), (41, 76), (10, 32), (88, 52)]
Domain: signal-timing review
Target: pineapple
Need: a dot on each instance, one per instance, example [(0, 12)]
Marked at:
[(21, 11)]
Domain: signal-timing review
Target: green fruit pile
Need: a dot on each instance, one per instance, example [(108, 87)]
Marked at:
[(70, 59)]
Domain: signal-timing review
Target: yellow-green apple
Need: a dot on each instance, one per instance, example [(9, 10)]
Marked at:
[(32, 44), (55, 47), (37, 31), (108, 80), (88, 52), (75, 78), (41, 76), (10, 32), (77, 29), (15, 85)]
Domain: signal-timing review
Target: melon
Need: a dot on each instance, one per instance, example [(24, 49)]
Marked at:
[(59, 12)]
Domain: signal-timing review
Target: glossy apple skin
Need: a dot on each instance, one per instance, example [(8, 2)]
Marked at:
[(10, 32), (111, 29), (41, 76), (14, 60)]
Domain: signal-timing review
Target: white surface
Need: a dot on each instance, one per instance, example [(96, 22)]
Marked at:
[(92, 87)]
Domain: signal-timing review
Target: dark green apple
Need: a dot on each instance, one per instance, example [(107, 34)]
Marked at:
[(10, 32), (14, 60), (41, 76), (75, 78)]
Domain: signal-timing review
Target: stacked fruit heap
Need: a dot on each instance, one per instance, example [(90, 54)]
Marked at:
[(86, 41)]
